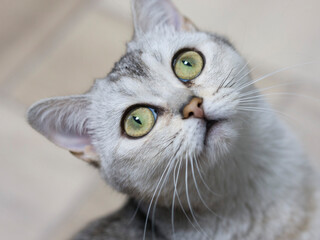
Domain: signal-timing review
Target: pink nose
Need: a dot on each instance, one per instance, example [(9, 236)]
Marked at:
[(193, 108)]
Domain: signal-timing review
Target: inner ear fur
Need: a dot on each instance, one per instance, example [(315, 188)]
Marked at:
[(150, 14), (64, 121)]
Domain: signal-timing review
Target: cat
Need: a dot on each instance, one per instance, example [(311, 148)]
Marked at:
[(179, 127)]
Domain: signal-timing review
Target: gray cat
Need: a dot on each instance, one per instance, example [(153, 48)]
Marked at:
[(179, 127)]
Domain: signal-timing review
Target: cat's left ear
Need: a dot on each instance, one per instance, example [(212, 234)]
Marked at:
[(150, 14), (64, 121)]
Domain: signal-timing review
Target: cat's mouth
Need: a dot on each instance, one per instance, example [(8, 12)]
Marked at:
[(212, 124)]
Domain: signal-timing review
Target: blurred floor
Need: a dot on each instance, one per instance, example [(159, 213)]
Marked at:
[(54, 47)]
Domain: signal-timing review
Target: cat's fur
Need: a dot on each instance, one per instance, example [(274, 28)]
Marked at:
[(255, 181)]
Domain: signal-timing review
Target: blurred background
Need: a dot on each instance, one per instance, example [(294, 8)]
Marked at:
[(58, 47)]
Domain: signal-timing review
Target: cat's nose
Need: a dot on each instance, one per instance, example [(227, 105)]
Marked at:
[(193, 109)]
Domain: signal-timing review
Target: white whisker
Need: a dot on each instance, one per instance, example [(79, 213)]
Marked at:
[(173, 199), (203, 181), (264, 110), (198, 190), (244, 66), (188, 199), (135, 212), (178, 198), (153, 196), (259, 91), (272, 73), (159, 192), (239, 81)]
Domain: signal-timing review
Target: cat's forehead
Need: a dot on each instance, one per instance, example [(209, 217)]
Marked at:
[(164, 43), (130, 65), (145, 71), (152, 51)]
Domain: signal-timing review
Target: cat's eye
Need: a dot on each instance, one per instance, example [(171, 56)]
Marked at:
[(188, 65), (139, 121)]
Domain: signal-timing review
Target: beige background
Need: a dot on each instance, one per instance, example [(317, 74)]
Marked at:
[(58, 47)]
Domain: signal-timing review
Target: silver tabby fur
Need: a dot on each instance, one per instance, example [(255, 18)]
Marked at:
[(247, 179)]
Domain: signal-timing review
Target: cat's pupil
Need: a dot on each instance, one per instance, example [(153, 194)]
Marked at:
[(186, 63), (137, 120)]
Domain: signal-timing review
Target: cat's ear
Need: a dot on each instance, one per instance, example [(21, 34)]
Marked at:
[(64, 121), (149, 14)]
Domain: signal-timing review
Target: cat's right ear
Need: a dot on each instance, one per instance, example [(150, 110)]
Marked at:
[(150, 14), (64, 121)]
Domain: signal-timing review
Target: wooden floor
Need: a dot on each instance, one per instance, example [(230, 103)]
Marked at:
[(58, 47)]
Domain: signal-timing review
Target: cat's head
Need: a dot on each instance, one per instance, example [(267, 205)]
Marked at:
[(171, 99)]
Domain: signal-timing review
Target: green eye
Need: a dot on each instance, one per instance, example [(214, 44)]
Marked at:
[(139, 121), (188, 65)]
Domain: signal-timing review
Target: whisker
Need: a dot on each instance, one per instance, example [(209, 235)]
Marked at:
[(281, 94), (292, 94), (178, 198), (171, 162), (264, 110), (223, 82), (240, 71), (159, 192), (244, 66), (197, 188), (135, 212), (203, 181), (189, 202), (153, 196), (273, 73), (169, 141), (173, 199), (261, 90), (239, 81), (252, 102)]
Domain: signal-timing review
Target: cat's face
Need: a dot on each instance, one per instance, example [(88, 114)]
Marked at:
[(145, 88), (145, 77)]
